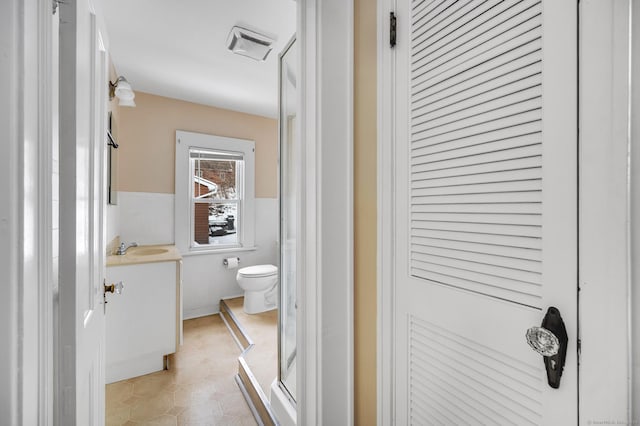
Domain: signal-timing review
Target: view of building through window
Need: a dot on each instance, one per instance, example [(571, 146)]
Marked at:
[(216, 197)]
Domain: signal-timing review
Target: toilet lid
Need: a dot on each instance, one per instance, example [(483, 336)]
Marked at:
[(258, 271)]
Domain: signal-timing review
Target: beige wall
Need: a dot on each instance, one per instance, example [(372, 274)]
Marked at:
[(365, 212), (147, 135)]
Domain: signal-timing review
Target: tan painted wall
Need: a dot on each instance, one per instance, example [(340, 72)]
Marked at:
[(365, 212), (147, 135)]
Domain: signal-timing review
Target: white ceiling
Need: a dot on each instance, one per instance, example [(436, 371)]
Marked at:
[(178, 49)]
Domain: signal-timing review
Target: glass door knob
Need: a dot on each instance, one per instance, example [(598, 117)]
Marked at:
[(543, 341)]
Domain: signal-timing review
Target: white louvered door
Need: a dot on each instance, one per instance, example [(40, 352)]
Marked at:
[(486, 209)]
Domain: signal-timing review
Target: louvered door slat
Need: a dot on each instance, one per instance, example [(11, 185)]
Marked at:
[(507, 61), (480, 187), (521, 293), (465, 121), (430, 10), (511, 261), (525, 130), (512, 383), (458, 22), (514, 21), (476, 237), (483, 108), (423, 164), (481, 268), (498, 197), (510, 208), (477, 53), (513, 118), (441, 403), (510, 164), (471, 248), (476, 141), (511, 85), (494, 177), (518, 219), (427, 26), (498, 77), (495, 387)]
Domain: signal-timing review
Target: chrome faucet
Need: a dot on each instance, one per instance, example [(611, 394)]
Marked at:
[(122, 250)]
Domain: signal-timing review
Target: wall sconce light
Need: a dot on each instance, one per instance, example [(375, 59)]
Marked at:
[(123, 91)]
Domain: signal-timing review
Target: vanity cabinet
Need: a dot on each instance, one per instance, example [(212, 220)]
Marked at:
[(144, 323)]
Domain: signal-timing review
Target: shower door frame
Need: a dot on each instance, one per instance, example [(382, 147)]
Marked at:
[(281, 287)]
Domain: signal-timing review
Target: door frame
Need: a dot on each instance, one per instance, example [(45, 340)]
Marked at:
[(325, 278), (26, 382), (326, 327), (602, 395), (605, 216)]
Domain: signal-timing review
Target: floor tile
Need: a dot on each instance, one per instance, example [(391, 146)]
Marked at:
[(198, 389)]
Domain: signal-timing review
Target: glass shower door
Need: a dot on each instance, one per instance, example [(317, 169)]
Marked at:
[(289, 173)]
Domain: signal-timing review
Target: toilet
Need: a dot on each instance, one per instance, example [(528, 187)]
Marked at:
[(259, 283)]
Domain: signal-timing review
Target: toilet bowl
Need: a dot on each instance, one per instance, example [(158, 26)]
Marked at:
[(259, 283)]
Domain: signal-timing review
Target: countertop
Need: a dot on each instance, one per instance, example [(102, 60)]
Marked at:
[(145, 254)]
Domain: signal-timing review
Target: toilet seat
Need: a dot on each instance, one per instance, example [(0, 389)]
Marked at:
[(258, 271)]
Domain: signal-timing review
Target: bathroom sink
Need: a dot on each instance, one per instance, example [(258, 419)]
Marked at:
[(147, 251)]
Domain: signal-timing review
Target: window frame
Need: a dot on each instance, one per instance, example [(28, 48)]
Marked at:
[(184, 201)]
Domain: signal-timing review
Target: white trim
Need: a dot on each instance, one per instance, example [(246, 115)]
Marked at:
[(604, 214), (385, 257), (26, 381), (325, 260), (308, 380), (44, 237), (11, 209), (635, 210)]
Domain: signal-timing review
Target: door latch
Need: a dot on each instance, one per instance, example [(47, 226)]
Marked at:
[(114, 288), (550, 340)]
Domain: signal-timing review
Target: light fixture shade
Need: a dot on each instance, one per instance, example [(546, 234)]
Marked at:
[(249, 43), (127, 102), (124, 92)]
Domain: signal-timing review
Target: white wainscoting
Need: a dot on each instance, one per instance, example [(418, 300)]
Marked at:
[(147, 218), (113, 222)]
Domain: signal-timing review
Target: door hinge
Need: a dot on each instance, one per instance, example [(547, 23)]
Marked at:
[(392, 29)]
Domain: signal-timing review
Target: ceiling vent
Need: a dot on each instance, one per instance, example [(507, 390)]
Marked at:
[(249, 43)]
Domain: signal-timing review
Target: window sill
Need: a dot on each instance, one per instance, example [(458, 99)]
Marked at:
[(218, 251)]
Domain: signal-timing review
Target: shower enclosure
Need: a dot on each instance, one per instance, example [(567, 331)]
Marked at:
[(289, 174)]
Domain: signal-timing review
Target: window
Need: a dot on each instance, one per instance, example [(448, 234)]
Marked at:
[(214, 192)]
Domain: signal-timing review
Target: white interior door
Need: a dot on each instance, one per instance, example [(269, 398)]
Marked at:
[(485, 209), (83, 87)]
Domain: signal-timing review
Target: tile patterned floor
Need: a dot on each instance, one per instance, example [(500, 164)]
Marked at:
[(198, 389), (262, 328)]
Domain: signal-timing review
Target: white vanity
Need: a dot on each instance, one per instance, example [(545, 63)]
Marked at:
[(144, 323)]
